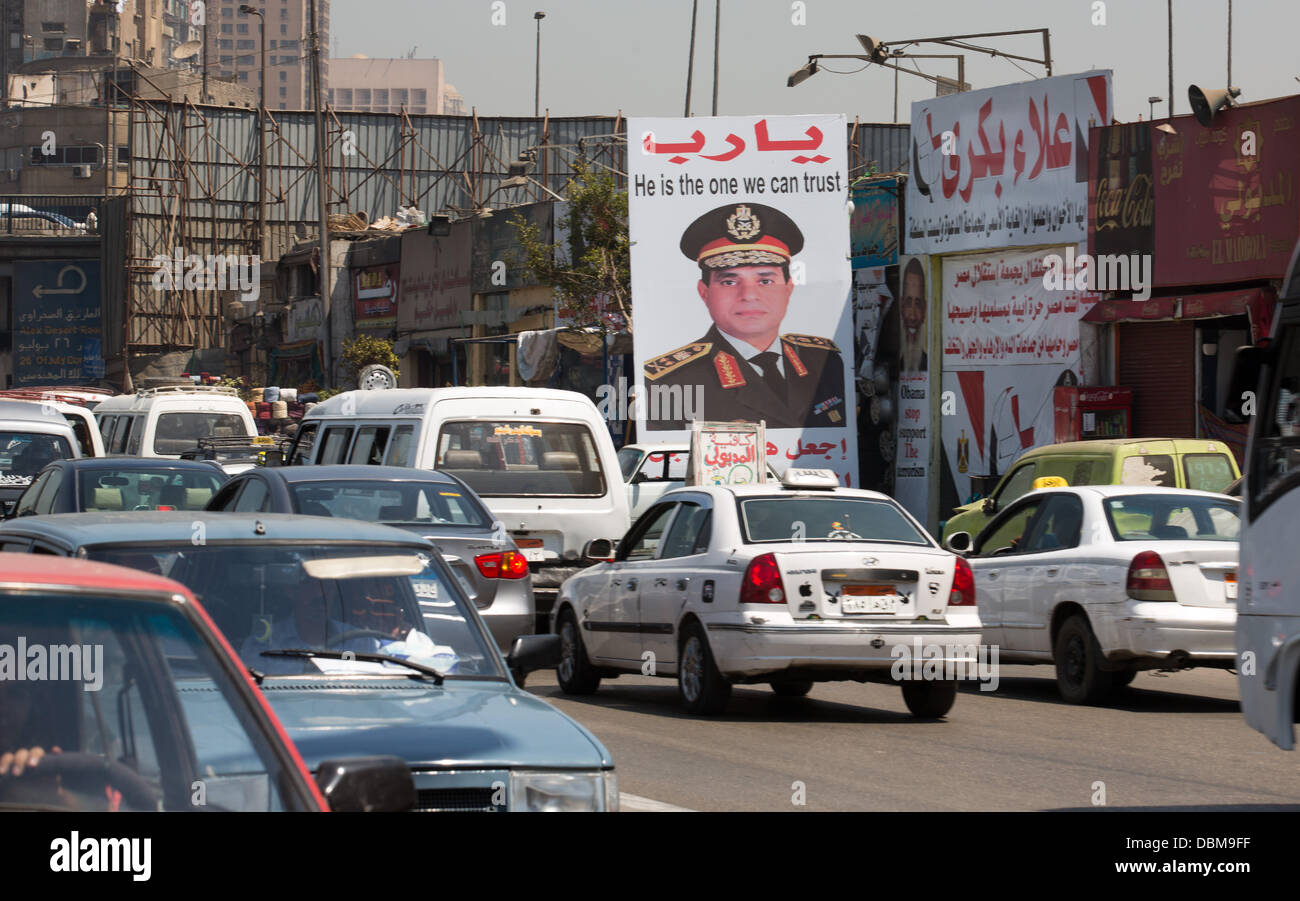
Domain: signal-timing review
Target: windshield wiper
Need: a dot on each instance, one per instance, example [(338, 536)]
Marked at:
[(357, 655)]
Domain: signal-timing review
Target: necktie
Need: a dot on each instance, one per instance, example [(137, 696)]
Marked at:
[(767, 361)]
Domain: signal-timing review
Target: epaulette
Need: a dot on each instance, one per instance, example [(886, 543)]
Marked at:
[(675, 359), (811, 341)]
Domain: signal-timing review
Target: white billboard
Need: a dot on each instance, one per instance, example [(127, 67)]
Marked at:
[(1005, 166), (741, 280)]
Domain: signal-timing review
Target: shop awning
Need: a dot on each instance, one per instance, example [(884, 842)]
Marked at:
[(1254, 302)]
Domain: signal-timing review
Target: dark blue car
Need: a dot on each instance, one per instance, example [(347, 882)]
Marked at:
[(111, 484)]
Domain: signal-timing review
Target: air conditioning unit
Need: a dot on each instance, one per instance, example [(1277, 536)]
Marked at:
[(81, 171)]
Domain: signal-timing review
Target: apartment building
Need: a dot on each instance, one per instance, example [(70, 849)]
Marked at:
[(234, 47), (361, 84)]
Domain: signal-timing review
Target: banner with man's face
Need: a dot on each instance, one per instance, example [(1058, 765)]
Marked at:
[(912, 458), (741, 281)]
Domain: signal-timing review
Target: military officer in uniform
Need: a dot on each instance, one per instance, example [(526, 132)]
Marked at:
[(747, 368)]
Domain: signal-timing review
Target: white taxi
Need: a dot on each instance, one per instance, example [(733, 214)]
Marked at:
[(786, 583), (1107, 580)]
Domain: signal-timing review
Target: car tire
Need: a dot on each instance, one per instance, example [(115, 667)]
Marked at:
[(791, 689), (1079, 675), (701, 686), (574, 672), (929, 700)]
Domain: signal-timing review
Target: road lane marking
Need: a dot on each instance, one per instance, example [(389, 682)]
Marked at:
[(639, 804)]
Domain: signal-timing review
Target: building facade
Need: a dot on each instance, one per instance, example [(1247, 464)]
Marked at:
[(361, 84), (234, 47)]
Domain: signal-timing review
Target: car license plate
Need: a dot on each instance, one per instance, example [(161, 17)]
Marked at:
[(533, 550), (1230, 586), (869, 599)]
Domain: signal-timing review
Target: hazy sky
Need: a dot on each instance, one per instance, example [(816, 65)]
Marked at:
[(601, 56)]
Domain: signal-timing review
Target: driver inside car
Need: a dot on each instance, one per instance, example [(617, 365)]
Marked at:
[(302, 623)]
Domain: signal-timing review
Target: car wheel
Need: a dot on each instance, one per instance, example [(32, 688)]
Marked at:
[(702, 687), (929, 700), (1120, 678), (791, 689), (575, 672), (1079, 675)]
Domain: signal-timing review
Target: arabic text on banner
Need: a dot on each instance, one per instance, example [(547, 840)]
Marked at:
[(997, 311), (1005, 166), (682, 168)]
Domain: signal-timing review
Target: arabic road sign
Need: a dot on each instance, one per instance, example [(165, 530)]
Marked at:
[(57, 322)]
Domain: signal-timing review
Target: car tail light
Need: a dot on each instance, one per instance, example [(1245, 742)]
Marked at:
[(762, 582), (963, 586), (502, 565), (1148, 580), (164, 507)]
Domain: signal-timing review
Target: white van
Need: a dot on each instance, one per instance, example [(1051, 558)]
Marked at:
[(31, 435), (74, 408), (542, 460), (167, 421)]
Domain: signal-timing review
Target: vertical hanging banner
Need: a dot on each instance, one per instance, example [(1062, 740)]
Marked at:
[(741, 282), (1005, 166), (874, 228), (912, 466)]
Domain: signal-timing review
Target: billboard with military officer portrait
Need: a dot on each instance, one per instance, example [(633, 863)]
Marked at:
[(741, 280)]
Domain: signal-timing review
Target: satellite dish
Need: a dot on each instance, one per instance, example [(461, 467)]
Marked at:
[(188, 49), (376, 378)]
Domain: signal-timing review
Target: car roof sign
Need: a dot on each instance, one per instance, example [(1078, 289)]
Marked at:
[(810, 478), (1050, 482)]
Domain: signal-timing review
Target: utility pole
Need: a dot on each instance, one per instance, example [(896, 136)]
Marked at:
[(1171, 58), (717, 30), (322, 195), (690, 63), (112, 29)]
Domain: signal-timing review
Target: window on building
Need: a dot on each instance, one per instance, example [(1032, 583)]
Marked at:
[(224, 44), (123, 153), (284, 92), (400, 97), (227, 12), (363, 97), (420, 96), (227, 29), (243, 28), (226, 61), (243, 76), (246, 44), (284, 29), (345, 96), (54, 44), (284, 76), (289, 45), (381, 97), (55, 27)]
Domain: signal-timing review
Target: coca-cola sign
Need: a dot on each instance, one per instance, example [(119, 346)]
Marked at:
[(1121, 193)]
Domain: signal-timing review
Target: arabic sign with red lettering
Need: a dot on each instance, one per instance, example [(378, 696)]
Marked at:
[(1227, 195), (997, 311), (435, 278), (741, 278), (376, 296), (727, 454), (1004, 167)]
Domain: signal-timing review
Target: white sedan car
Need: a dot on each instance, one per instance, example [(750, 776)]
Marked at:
[(1105, 581), (788, 584)]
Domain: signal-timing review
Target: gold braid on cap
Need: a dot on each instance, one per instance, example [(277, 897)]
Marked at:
[(743, 258)]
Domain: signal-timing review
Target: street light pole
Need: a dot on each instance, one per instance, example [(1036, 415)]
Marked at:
[(248, 10), (537, 80)]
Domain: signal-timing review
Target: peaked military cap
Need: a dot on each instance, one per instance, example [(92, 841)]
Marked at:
[(741, 234)]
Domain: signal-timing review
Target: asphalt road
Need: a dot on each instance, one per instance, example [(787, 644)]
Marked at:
[(1168, 741)]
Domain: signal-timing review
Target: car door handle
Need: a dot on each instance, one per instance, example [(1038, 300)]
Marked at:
[(631, 583), (991, 573), (683, 582), (1053, 570), (660, 583)]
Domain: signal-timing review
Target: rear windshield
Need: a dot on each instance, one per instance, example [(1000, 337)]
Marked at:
[(1162, 517), (795, 519), (1151, 470), (24, 454), (1208, 472), (145, 489), (522, 458), (179, 432), (390, 502)]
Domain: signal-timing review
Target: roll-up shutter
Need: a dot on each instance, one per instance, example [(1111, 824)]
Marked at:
[(1158, 361)]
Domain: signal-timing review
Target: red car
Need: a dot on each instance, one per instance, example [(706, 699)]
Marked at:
[(118, 693)]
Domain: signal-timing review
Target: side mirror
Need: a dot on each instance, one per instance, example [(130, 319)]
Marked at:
[(640, 477), (534, 652), (366, 784), (598, 550), (958, 543), (990, 505)]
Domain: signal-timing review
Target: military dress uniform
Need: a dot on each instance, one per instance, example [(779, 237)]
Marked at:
[(810, 391)]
